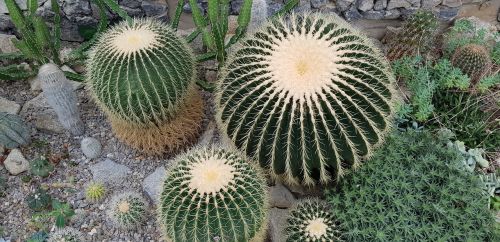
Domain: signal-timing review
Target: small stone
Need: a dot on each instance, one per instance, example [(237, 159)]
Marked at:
[(374, 15), (155, 8), (109, 172), (352, 14), (448, 14), (452, 3), (398, 4), (8, 106), (380, 5), (281, 197), (6, 45), (343, 5), (365, 5), (6, 23), (15, 162), (91, 147), (430, 4), (318, 3), (153, 183), (277, 223)]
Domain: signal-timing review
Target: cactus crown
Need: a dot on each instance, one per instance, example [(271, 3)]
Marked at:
[(127, 209), (139, 72), (473, 60), (13, 131), (95, 191), (213, 193), (66, 235), (307, 96), (312, 220)]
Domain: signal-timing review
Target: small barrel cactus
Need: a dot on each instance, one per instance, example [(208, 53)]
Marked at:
[(312, 220), (212, 194), (67, 234), (95, 191), (307, 97), (13, 131), (473, 60), (127, 209), (60, 95)]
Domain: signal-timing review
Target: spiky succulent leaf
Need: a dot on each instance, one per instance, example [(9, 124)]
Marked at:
[(307, 97), (127, 209), (213, 194), (140, 72), (13, 131), (473, 60), (312, 220)]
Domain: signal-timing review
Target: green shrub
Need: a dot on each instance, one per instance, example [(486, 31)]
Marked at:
[(413, 189)]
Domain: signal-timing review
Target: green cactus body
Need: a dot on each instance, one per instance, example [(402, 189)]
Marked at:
[(13, 131), (211, 194), (95, 191), (473, 60), (127, 209), (140, 72), (312, 220), (307, 97), (41, 167)]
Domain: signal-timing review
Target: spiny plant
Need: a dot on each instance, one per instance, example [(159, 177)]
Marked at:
[(13, 131), (95, 191), (307, 97), (41, 167), (412, 189), (415, 36), (66, 235), (312, 220), (473, 60), (39, 200), (213, 194), (127, 209), (465, 32)]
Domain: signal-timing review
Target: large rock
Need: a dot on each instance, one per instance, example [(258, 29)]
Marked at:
[(344, 5), (277, 223), (380, 5), (452, 3), (41, 114), (448, 14), (154, 182), (3, 7), (155, 8), (318, 3), (15, 162), (109, 172), (280, 196), (8, 106), (6, 45), (429, 4), (73, 8), (130, 3), (5, 23), (398, 4), (365, 5)]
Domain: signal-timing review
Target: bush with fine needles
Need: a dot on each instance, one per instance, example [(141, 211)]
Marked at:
[(413, 189), (212, 194), (127, 209), (307, 96)]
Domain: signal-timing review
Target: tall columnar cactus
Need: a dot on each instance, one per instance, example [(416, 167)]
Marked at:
[(127, 209), (140, 71), (308, 97), (60, 95), (13, 131), (415, 36), (212, 194), (312, 220), (473, 60)]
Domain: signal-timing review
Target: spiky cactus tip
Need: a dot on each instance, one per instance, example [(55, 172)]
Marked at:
[(95, 191), (213, 194), (66, 235), (473, 60), (312, 220), (307, 96), (127, 209), (13, 131)]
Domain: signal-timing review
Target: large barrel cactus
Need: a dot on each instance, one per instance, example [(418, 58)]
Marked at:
[(307, 96), (211, 194), (13, 131)]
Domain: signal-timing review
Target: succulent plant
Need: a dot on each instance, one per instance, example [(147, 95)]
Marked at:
[(67, 234), (40, 236), (473, 60), (140, 71), (312, 220), (127, 209), (414, 188), (307, 97), (213, 194), (13, 131), (39, 200), (415, 36), (41, 167), (95, 191)]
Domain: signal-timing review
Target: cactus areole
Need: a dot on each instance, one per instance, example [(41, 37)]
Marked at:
[(307, 95)]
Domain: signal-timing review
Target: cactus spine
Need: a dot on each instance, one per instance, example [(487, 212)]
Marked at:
[(308, 98), (473, 60), (13, 131), (312, 220), (60, 95), (213, 194), (127, 210)]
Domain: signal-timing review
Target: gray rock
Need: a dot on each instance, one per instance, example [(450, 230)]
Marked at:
[(280, 196), (273, 7), (330, 8), (70, 31), (343, 5), (91, 147), (448, 14), (76, 8), (3, 7), (155, 8), (15, 162), (365, 5), (153, 183), (303, 6), (452, 3), (134, 12), (318, 3), (414, 3), (130, 3), (207, 136), (277, 223), (6, 45), (380, 5), (392, 4), (392, 14), (5, 23), (41, 114), (352, 14), (430, 4), (374, 15), (9, 106), (109, 172)]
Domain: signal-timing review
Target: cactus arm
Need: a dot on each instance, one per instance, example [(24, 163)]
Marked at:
[(192, 36), (12, 56), (42, 37), (243, 21), (178, 12), (287, 8), (56, 31), (201, 24), (217, 27), (113, 5), (32, 6)]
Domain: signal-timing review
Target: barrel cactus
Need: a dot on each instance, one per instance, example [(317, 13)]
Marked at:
[(13, 131), (307, 97), (312, 220), (127, 209), (213, 194), (473, 60), (95, 191)]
